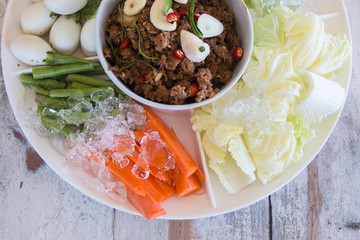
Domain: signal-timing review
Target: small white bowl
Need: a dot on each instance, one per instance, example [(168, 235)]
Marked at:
[(244, 28)]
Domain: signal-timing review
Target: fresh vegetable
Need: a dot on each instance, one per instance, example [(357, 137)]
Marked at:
[(238, 53), (30, 49), (195, 29), (168, 6), (181, 11), (86, 17), (181, 1), (159, 19), (146, 205), (37, 19), (45, 83), (87, 38), (154, 157), (191, 44), (34, 51), (126, 43), (322, 98), (223, 144), (262, 124), (65, 7), (145, 163), (308, 30), (64, 35), (86, 92), (89, 80), (134, 153), (196, 15), (230, 175), (334, 53), (158, 189), (183, 160), (209, 26), (139, 43), (172, 17), (186, 185), (42, 91), (264, 7), (179, 54), (78, 85), (59, 70), (193, 89), (143, 78), (86, 13), (134, 7), (125, 175)]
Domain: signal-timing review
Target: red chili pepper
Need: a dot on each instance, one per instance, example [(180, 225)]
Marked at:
[(179, 54), (193, 89), (143, 78), (197, 15), (238, 53), (181, 11), (172, 17), (126, 43)]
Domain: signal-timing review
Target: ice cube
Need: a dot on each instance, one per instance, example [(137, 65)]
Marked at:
[(102, 96), (154, 152), (79, 114), (139, 172), (120, 159)]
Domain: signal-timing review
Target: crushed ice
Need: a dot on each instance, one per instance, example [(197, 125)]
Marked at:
[(107, 134)]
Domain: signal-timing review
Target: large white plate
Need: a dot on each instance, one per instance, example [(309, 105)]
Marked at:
[(196, 205)]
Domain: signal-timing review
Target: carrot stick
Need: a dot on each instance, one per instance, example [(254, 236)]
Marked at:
[(185, 185), (126, 176), (139, 134), (160, 174), (146, 205), (183, 160), (158, 189), (200, 175)]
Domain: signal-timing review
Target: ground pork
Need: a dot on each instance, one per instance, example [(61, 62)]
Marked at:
[(152, 55)]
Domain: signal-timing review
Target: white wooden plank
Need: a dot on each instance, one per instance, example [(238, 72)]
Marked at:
[(249, 223), (128, 226), (289, 208), (339, 165)]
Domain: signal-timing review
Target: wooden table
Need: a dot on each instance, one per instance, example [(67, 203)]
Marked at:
[(323, 202)]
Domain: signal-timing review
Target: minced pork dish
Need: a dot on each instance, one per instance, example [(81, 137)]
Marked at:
[(172, 53)]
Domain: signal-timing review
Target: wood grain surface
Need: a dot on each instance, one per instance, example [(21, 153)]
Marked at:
[(322, 202)]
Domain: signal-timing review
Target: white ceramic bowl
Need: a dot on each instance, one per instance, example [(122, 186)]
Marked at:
[(243, 27)]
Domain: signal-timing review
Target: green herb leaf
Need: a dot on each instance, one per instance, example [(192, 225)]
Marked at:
[(195, 29), (139, 47), (149, 65), (122, 23), (168, 5), (88, 12), (128, 66)]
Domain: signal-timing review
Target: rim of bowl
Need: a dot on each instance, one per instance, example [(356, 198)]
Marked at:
[(99, 39)]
